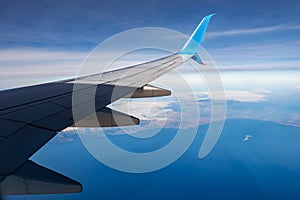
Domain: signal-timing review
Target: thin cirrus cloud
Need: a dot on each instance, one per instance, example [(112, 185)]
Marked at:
[(237, 95), (22, 67), (265, 29), (28, 63)]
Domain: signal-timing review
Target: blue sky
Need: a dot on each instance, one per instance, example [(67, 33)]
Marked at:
[(82, 24), (51, 38)]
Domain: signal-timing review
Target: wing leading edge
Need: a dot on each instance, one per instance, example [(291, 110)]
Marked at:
[(31, 116)]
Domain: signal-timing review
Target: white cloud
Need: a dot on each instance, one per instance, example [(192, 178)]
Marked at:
[(244, 96), (238, 95), (157, 113), (32, 54), (263, 56), (21, 67), (253, 30)]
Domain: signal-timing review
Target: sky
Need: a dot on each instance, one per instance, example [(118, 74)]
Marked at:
[(47, 39), (82, 24)]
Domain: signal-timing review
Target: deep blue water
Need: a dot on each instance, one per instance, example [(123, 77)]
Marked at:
[(265, 167)]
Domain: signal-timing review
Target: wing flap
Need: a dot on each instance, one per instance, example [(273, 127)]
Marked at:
[(32, 178), (148, 91), (107, 117)]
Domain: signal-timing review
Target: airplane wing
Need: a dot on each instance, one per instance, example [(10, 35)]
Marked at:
[(31, 116)]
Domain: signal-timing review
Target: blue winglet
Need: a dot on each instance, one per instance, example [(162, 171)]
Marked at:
[(193, 44)]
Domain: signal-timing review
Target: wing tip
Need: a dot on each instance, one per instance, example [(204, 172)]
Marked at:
[(192, 45)]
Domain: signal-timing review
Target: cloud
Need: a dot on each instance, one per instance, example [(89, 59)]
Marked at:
[(238, 95), (264, 56), (33, 54), (153, 112), (23, 67), (244, 96), (249, 31), (29, 63)]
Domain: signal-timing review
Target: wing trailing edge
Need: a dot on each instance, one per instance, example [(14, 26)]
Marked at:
[(107, 117), (32, 178), (148, 91)]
